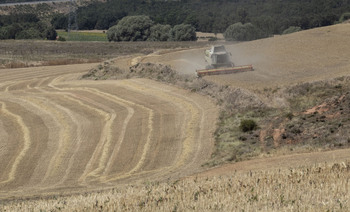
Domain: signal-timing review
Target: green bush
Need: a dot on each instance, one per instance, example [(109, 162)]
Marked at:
[(131, 28), (60, 38), (291, 29), (160, 32), (241, 32), (183, 32), (30, 33), (344, 17), (248, 125), (50, 33), (290, 115), (3, 33), (25, 26), (10, 31)]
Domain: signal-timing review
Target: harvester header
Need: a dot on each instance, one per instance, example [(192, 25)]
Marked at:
[(228, 70)]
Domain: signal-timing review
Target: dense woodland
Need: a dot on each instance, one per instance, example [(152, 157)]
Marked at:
[(270, 16)]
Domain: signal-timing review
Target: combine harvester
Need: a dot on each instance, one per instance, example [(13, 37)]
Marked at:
[(219, 61)]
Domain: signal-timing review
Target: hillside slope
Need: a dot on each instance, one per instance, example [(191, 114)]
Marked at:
[(310, 55)]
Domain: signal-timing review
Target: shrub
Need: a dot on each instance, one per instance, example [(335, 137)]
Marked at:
[(60, 38), (10, 31), (344, 17), (3, 33), (131, 28), (183, 32), (248, 125), (241, 32), (290, 115), (51, 33), (160, 32), (291, 29), (213, 39), (30, 33)]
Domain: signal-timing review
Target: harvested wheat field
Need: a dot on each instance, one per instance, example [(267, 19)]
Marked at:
[(304, 56), (59, 134)]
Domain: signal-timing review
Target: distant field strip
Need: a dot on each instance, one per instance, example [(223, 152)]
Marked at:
[(83, 36), (61, 134)]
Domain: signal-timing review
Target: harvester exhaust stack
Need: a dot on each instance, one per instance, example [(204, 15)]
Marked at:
[(219, 61)]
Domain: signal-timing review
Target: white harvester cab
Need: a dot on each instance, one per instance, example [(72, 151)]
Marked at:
[(217, 57)]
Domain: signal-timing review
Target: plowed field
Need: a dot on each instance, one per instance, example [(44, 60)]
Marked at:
[(60, 134)]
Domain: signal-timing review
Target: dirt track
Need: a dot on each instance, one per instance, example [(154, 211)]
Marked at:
[(59, 134)]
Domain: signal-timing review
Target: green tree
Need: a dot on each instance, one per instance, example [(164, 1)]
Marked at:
[(266, 25), (160, 32), (10, 31), (242, 32), (344, 17), (131, 28), (59, 21), (3, 33), (183, 32)]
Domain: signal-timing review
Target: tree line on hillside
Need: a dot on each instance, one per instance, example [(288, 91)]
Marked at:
[(142, 28), (25, 26), (267, 16)]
